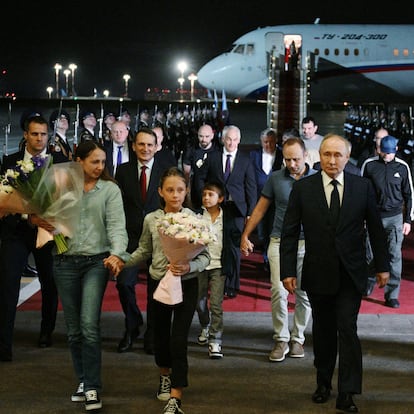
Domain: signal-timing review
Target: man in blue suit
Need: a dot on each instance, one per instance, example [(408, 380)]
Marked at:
[(334, 273), (234, 170)]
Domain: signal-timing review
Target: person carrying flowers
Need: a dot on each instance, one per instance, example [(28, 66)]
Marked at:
[(18, 241), (164, 228)]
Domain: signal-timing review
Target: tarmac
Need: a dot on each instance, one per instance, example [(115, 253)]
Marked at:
[(244, 381)]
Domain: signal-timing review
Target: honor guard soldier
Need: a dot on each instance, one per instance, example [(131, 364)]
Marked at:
[(125, 117), (59, 146), (108, 120), (88, 125)]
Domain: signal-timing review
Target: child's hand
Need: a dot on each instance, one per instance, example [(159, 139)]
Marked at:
[(179, 269), (246, 246)]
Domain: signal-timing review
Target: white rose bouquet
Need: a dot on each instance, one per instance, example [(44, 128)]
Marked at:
[(183, 236), (51, 191)]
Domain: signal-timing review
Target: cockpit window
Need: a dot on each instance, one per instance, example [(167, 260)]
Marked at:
[(239, 49), (250, 49)]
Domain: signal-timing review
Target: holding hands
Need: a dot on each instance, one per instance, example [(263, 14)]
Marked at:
[(114, 264)]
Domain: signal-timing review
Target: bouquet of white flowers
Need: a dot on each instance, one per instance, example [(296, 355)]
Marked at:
[(183, 236), (51, 191)]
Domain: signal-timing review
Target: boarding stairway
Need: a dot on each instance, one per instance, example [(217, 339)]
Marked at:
[(288, 95)]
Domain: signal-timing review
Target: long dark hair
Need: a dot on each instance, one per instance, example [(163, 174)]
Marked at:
[(84, 149)]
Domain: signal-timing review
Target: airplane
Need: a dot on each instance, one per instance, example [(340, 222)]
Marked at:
[(365, 62)]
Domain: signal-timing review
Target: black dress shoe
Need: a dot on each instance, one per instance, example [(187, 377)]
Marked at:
[(45, 340), (370, 287), (5, 356), (345, 403), (392, 303), (127, 341), (231, 293), (29, 271), (148, 349), (321, 395)]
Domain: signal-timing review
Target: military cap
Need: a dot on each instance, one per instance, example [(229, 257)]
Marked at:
[(58, 113), (87, 113), (27, 114)]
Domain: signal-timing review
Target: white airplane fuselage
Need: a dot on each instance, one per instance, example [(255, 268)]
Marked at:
[(365, 56)]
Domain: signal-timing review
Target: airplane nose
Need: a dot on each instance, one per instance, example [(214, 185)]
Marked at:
[(204, 77)]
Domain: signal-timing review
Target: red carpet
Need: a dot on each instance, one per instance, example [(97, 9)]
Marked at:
[(254, 295)]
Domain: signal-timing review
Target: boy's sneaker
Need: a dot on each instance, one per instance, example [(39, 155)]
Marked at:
[(78, 395), (279, 351), (164, 388), (92, 400), (203, 337), (173, 406), (296, 350), (214, 351)]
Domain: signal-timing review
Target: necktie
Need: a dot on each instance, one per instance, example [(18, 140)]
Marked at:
[(143, 182), (119, 155), (227, 170), (335, 205)]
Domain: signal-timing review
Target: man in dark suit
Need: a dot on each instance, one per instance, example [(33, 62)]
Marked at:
[(234, 170), (18, 241), (136, 206), (334, 273), (194, 161), (118, 149)]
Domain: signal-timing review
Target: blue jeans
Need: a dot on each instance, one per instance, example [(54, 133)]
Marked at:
[(81, 282)]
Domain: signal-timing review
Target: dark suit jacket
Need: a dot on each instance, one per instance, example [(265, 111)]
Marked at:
[(135, 208), (241, 184), (325, 247), (261, 176), (109, 150)]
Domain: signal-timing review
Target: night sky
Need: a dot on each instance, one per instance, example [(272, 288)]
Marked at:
[(144, 39)]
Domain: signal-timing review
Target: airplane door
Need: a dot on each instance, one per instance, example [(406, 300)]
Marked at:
[(275, 42)]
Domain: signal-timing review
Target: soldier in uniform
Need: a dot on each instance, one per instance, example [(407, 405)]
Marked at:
[(59, 146), (144, 118), (108, 120), (125, 117), (88, 124)]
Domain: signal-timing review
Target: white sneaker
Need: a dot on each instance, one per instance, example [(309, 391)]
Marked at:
[(203, 337), (92, 400), (164, 389), (78, 395), (214, 350)]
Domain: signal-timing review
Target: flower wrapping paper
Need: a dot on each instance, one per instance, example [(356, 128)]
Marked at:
[(183, 236)]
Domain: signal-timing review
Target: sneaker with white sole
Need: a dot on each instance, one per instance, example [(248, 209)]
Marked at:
[(279, 351), (164, 389), (92, 400), (203, 337), (78, 395), (296, 350), (173, 406), (214, 351)]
